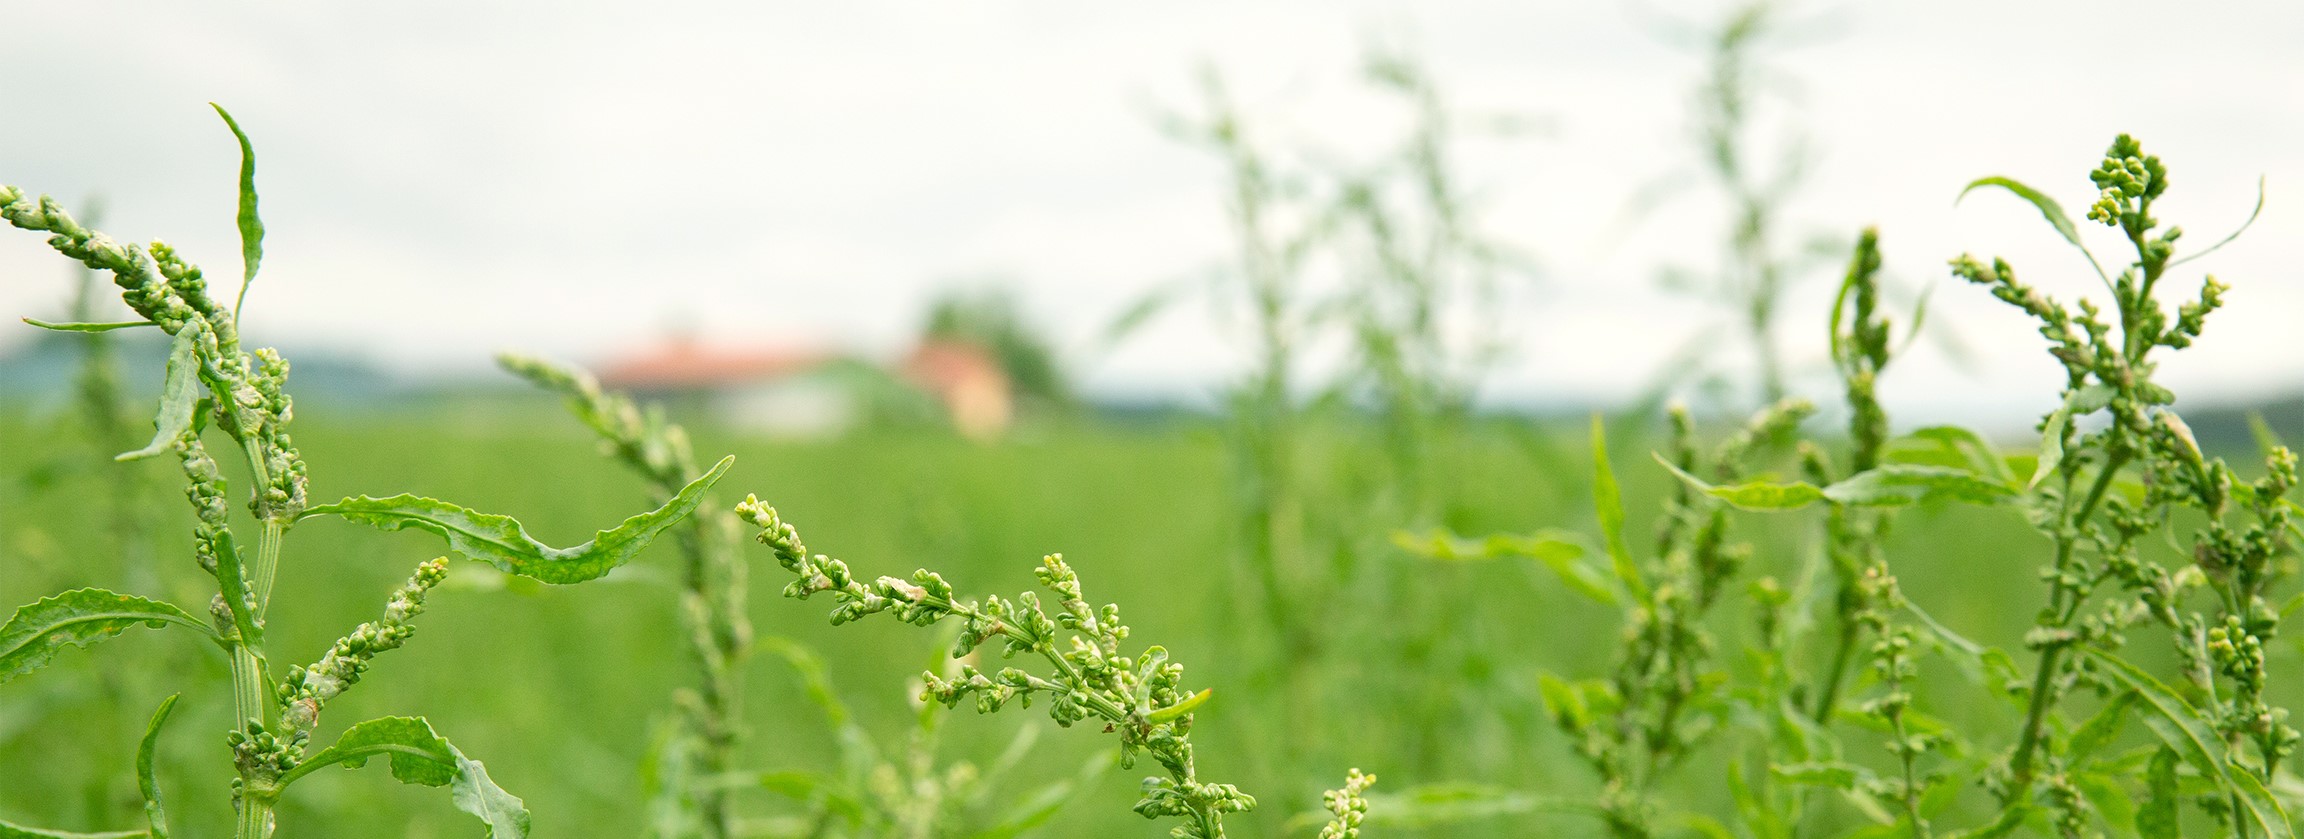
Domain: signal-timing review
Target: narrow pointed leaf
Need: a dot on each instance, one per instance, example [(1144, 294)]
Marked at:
[(502, 542), (179, 394), (10, 830), (1757, 496), (2047, 206), (79, 617), (1608, 503), (2220, 243), (2181, 728), (1898, 484), (418, 755), (1560, 551), (88, 327), (1182, 707), (251, 225), (146, 781)]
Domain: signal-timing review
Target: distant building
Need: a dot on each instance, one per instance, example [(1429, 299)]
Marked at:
[(813, 393), (968, 381)]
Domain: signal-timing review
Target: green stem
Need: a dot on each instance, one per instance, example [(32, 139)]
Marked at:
[(2020, 764), (1830, 695)]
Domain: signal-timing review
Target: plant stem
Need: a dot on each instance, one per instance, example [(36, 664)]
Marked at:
[(2020, 764)]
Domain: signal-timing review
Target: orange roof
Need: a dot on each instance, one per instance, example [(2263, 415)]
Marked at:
[(685, 365)]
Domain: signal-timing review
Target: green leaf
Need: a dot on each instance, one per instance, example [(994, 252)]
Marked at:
[(1757, 496), (1560, 551), (1565, 702), (2181, 728), (502, 542), (79, 617), (1989, 667), (418, 755), (2049, 210), (474, 792), (1608, 502), (88, 327), (2157, 819), (2099, 730), (2220, 243), (1839, 776), (1972, 449), (2047, 206), (179, 393), (146, 781), (251, 225), (2267, 440), (1897, 484), (1182, 707), (2006, 823), (16, 831)]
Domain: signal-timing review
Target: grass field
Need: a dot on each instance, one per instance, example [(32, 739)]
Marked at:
[(560, 690)]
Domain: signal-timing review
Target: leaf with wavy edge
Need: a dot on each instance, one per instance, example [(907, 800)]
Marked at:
[(418, 755), (79, 617), (502, 542)]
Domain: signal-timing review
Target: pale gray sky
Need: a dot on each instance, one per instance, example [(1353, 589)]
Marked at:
[(443, 179)]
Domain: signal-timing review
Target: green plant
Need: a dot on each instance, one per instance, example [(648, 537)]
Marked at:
[(2101, 492), (712, 596), (911, 791), (212, 380), (1088, 678)]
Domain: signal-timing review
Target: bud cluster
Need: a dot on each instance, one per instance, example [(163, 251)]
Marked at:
[(1138, 697)]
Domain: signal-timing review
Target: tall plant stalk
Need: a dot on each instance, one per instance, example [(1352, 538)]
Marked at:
[(712, 581)]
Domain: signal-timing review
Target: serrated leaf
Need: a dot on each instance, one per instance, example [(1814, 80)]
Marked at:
[(1608, 503), (10, 830), (251, 225), (418, 755), (179, 393), (1757, 496), (501, 541), (147, 782), (87, 327), (2158, 818), (1900, 484), (2181, 728), (79, 617)]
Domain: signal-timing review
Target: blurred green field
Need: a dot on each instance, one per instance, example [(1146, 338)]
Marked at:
[(1426, 676)]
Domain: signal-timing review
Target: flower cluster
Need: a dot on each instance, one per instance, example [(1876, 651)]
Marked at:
[(1089, 677)]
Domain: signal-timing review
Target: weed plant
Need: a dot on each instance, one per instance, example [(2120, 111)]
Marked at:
[(212, 382), (693, 799), (2115, 471), (1088, 676)]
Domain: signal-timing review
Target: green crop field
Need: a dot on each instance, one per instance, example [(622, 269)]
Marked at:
[(1341, 589)]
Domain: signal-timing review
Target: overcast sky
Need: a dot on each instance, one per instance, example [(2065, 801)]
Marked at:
[(443, 179)]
